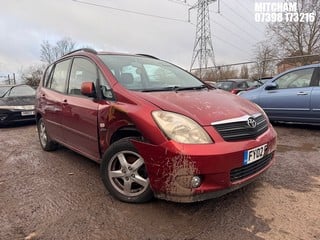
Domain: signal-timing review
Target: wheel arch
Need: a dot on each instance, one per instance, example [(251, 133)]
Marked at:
[(125, 132), (38, 116)]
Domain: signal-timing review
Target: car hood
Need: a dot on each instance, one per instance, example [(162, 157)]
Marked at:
[(204, 106), (17, 101)]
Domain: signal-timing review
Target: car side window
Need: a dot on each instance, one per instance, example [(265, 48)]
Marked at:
[(46, 77), (82, 71), (295, 79), (105, 87), (59, 77)]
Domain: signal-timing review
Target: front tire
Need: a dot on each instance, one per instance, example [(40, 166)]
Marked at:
[(46, 142), (124, 173)]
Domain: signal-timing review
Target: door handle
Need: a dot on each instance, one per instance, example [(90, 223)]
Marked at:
[(302, 93), (65, 102)]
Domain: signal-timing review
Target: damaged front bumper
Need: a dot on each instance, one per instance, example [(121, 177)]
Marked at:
[(220, 167)]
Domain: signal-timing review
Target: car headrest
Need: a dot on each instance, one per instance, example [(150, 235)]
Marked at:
[(126, 78)]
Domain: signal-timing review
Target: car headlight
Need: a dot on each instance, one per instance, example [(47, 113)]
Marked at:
[(181, 128), (262, 111)]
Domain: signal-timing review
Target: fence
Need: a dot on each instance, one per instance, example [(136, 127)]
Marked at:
[(7, 79), (255, 69)]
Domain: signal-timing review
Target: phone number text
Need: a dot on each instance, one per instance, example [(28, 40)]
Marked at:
[(285, 17)]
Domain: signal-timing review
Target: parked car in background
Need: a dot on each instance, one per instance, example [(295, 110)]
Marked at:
[(211, 83), (263, 80), (256, 83), (156, 129), (292, 96), (237, 85), (16, 104)]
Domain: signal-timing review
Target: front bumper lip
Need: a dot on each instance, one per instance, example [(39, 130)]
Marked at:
[(16, 116), (206, 195), (171, 166)]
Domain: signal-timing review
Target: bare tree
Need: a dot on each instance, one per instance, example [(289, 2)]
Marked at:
[(32, 75), (227, 72), (244, 72), (50, 53), (301, 36), (264, 53)]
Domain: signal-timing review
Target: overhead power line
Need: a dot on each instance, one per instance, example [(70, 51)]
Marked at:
[(181, 2), (244, 19), (239, 27), (233, 33), (130, 11)]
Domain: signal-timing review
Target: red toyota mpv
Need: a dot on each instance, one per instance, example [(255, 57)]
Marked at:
[(156, 129)]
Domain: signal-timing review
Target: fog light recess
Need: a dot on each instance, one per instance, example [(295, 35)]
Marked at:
[(195, 181)]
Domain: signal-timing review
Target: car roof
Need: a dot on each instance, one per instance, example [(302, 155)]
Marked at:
[(86, 51), (233, 80)]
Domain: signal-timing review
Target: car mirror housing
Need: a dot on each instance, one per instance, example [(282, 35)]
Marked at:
[(87, 89), (271, 86)]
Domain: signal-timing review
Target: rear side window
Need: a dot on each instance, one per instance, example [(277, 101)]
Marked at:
[(82, 71), (59, 76)]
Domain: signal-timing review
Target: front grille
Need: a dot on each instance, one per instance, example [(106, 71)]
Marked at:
[(252, 168), (240, 130)]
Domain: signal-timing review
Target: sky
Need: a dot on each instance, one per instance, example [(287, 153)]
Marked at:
[(156, 27)]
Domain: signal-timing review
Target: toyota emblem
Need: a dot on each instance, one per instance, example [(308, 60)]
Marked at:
[(251, 122)]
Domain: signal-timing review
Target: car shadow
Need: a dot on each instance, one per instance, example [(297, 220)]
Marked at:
[(17, 124), (296, 125)]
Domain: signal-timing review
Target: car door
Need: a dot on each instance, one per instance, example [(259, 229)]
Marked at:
[(50, 99), (80, 112), (315, 99), (290, 101)]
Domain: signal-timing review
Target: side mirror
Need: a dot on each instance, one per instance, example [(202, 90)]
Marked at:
[(88, 89), (271, 86)]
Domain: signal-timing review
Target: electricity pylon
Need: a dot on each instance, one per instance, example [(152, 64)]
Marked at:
[(203, 54)]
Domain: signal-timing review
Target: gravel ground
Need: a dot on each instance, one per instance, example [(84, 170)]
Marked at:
[(59, 195)]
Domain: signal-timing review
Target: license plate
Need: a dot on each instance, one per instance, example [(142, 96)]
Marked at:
[(27, 113), (254, 154)]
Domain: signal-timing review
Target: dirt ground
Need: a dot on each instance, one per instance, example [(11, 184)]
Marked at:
[(60, 195)]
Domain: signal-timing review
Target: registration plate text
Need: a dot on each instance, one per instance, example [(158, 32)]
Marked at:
[(254, 154), (27, 113)]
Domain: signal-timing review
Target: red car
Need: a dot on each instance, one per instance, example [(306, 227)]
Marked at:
[(156, 129), (237, 85)]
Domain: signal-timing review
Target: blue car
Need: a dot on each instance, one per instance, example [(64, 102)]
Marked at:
[(292, 96)]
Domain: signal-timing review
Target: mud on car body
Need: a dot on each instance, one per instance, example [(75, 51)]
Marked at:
[(156, 129)]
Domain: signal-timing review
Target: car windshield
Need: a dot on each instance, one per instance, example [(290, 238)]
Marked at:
[(20, 90), (227, 85), (148, 74), (3, 90)]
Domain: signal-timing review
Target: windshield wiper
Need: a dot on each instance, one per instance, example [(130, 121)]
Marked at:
[(6, 92), (175, 88)]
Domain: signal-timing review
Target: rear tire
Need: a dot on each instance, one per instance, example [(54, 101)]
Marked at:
[(46, 142), (124, 174)]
